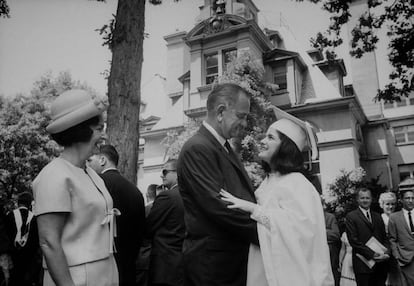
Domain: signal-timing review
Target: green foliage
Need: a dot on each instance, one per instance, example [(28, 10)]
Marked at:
[(397, 17), (340, 198), (175, 139), (248, 73), (4, 9), (25, 147)]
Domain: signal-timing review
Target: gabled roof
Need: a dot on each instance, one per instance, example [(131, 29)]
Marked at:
[(229, 25), (315, 86), (281, 54), (336, 62), (278, 53), (204, 27), (150, 119), (184, 77), (174, 117)]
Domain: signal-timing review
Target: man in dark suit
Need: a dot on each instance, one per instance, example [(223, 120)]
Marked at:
[(165, 225), (401, 234), (129, 200), (145, 250), (218, 238), (334, 243), (361, 225)]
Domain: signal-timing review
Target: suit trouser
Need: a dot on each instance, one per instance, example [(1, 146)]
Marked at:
[(407, 274), (376, 278)]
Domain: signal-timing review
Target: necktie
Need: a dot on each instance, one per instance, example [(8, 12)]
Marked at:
[(231, 152), (228, 147), (368, 217), (410, 221)]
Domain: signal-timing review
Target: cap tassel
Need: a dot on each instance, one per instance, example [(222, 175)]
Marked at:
[(312, 144)]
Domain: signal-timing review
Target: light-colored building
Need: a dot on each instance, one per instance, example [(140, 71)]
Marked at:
[(352, 129)]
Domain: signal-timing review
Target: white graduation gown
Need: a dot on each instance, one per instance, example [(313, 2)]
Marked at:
[(292, 235)]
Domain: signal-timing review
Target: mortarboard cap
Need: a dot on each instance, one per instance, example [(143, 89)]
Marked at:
[(300, 132)]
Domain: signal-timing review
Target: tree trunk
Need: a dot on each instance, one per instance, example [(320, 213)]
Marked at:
[(124, 84)]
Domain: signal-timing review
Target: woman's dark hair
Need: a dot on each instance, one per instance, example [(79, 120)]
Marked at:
[(287, 159), (25, 199), (78, 133)]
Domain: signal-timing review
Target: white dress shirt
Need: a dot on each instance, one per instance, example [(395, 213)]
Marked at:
[(218, 137), (364, 211), (405, 212)]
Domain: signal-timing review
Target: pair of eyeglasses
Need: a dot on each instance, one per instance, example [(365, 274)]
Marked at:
[(166, 171)]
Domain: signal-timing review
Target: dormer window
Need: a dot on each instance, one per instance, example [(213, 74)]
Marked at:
[(280, 75), (228, 57), (216, 63)]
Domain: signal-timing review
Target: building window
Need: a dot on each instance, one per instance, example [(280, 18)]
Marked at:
[(404, 134), (216, 63), (406, 171), (388, 105), (211, 68), (280, 75), (228, 57), (405, 101)]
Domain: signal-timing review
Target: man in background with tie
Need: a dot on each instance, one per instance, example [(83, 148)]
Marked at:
[(361, 225), (401, 233), (129, 200)]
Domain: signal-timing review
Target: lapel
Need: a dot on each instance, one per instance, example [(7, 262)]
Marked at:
[(365, 219), (100, 186), (231, 156)]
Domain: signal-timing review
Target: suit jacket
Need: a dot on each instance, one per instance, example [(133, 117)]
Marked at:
[(332, 229), (165, 224), (359, 230), (401, 238), (218, 238), (334, 242), (130, 224)]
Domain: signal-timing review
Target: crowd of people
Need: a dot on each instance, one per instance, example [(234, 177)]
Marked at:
[(205, 225)]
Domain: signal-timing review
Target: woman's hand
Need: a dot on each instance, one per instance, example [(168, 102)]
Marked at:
[(236, 203)]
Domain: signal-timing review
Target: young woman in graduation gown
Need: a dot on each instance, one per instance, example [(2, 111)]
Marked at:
[(291, 227)]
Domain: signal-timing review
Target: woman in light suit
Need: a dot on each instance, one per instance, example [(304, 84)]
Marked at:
[(73, 207)]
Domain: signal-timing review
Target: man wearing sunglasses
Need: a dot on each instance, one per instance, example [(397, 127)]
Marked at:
[(165, 225)]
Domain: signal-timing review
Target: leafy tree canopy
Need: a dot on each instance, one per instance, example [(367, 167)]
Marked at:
[(340, 198), (394, 15), (25, 147), (4, 9)]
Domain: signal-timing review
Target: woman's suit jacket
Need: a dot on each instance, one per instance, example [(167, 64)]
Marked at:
[(218, 238)]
